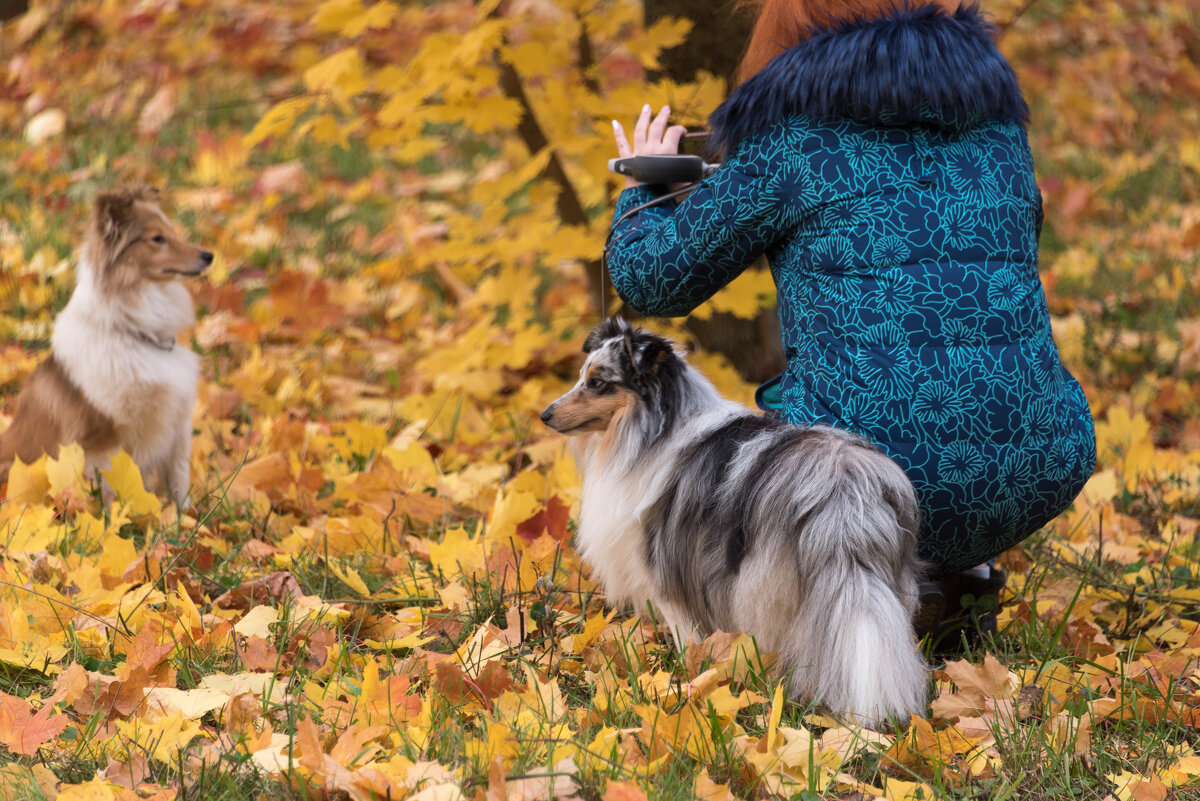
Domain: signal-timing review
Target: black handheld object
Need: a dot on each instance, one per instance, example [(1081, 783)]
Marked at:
[(665, 169)]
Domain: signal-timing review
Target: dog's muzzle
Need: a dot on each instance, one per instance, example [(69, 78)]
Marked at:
[(206, 260)]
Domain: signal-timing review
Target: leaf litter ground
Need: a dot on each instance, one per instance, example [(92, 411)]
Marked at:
[(375, 594)]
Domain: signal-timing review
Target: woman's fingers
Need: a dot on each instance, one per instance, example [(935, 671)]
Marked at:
[(639, 130), (651, 136), (658, 126), (623, 148), (671, 138)]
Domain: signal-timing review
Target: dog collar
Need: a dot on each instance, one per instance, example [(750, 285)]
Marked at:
[(165, 345)]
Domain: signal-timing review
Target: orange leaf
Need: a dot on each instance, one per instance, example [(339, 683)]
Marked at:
[(22, 732), (268, 472), (146, 650), (623, 791), (980, 682)]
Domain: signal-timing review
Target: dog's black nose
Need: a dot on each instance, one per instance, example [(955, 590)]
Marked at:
[(546, 415), (206, 256)]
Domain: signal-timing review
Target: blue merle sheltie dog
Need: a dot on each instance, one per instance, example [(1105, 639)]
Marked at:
[(723, 519)]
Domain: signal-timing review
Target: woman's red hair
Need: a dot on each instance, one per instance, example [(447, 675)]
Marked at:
[(785, 23)]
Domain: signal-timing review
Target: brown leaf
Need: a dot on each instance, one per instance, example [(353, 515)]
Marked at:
[(951, 707), (272, 589), (241, 711), (131, 691), (1191, 235), (980, 682), (158, 110), (128, 774), (258, 550), (494, 679), (496, 790), (105, 694), (1148, 789), (258, 654), (456, 686), (1029, 701), (71, 683), (281, 178), (146, 650), (716, 648)]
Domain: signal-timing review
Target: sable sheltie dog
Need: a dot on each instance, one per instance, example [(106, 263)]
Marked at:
[(722, 519), (115, 378)]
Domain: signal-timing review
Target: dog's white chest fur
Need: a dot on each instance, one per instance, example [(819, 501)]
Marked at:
[(611, 539), (124, 359)]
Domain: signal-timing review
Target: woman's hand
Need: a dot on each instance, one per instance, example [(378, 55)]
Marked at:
[(651, 137)]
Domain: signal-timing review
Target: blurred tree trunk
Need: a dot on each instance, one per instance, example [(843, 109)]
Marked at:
[(12, 8), (715, 45)]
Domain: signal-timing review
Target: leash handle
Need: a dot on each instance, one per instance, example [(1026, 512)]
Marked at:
[(664, 169)]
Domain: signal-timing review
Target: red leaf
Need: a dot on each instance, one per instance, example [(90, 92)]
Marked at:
[(551, 519)]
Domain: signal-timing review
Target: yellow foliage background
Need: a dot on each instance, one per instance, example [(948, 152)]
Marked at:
[(375, 592)]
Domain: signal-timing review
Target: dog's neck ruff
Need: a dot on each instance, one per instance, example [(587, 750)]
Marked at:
[(152, 315)]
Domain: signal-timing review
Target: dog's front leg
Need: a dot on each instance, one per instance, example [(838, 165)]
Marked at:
[(179, 471), (95, 465), (684, 630)]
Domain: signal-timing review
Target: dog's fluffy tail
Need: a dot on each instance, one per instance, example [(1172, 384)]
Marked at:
[(852, 644)]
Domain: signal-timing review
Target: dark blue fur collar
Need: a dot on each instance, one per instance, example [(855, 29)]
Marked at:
[(921, 65)]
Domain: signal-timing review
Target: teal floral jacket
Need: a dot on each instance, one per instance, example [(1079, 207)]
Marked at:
[(882, 168)]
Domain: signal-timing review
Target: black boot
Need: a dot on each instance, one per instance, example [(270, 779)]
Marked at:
[(959, 609)]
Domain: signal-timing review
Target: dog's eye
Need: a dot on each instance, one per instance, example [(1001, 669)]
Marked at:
[(597, 383), (159, 239)]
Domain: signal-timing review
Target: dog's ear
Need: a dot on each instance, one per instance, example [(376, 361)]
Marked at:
[(611, 328), (649, 353), (114, 213), (145, 192)]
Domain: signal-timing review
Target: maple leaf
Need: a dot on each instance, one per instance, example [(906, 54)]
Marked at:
[(126, 480), (551, 519), (128, 774), (162, 738), (278, 120), (278, 587), (268, 472), (706, 789), (340, 74), (349, 18), (147, 650), (66, 471), (623, 791), (23, 731), (97, 789), (27, 483)]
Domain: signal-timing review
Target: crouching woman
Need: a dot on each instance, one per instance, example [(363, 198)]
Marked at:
[(876, 154)]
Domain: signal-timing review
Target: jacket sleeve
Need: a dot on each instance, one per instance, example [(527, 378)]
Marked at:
[(667, 259)]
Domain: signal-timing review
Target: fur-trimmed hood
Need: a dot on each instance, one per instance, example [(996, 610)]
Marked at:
[(920, 65)]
